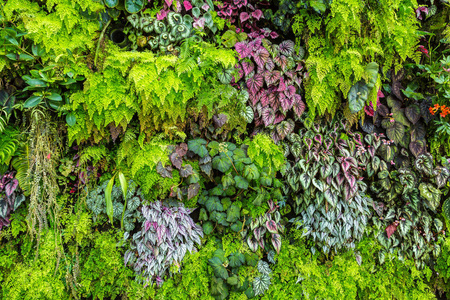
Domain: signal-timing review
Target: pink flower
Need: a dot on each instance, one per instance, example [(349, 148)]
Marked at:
[(392, 162), (419, 10), (48, 156), (161, 15), (423, 50), (187, 5)]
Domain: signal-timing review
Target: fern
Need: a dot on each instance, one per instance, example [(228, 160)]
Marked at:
[(8, 144), (352, 34)]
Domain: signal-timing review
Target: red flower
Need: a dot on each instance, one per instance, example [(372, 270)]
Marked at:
[(48, 156)]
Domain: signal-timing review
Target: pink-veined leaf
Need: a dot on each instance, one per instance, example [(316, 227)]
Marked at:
[(281, 61), (276, 242), (255, 44), (349, 192), (271, 226), (257, 14), (308, 142), (264, 98), (278, 117), (328, 143), (248, 67), (255, 83), (287, 47), (268, 116), (282, 85), (270, 65), (261, 243), (243, 49), (299, 106), (290, 91), (318, 138), (261, 56), (286, 102), (272, 77), (244, 17), (340, 178), (345, 165)]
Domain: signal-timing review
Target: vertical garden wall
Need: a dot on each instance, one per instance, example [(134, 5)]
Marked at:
[(231, 149)]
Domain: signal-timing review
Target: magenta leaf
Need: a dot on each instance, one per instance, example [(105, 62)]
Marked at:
[(282, 86), (340, 178), (345, 165), (200, 23), (279, 117), (261, 56), (255, 83), (257, 14), (162, 14), (243, 49), (290, 91), (11, 187), (264, 98), (268, 116), (187, 5), (299, 105), (318, 138), (273, 35), (244, 17), (272, 77), (286, 103), (248, 67)]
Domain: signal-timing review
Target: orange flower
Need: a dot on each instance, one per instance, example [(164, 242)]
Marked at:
[(434, 109)]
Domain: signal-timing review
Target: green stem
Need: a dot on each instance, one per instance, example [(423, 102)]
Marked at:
[(102, 34)]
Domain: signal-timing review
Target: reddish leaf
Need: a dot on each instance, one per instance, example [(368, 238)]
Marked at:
[(391, 229), (279, 117), (340, 178), (270, 65), (282, 86), (299, 105), (176, 160), (286, 102), (290, 91), (264, 98), (243, 49)]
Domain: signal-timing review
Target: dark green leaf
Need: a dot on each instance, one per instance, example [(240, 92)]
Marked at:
[(134, 6), (241, 182), (198, 147), (32, 101), (233, 213), (223, 164), (71, 119), (55, 97)]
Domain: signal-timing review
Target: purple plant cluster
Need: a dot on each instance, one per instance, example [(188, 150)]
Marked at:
[(10, 199), (272, 74), (167, 233)]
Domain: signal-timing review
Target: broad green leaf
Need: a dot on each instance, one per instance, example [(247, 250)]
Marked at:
[(36, 83), (446, 209), (218, 268), (213, 204), (241, 182), (111, 3), (251, 172), (32, 101), (223, 164), (236, 260), (55, 97), (431, 194), (233, 213), (71, 119), (227, 180), (208, 228), (396, 132), (134, 6), (198, 147)]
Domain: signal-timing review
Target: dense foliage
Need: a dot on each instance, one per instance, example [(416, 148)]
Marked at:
[(235, 149)]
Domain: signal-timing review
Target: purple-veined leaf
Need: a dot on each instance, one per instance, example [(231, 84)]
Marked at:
[(305, 180), (282, 85), (349, 192), (270, 65), (286, 103), (299, 106), (275, 101), (254, 97), (147, 226), (290, 74), (257, 14), (350, 179), (281, 61), (272, 77), (255, 83), (244, 17), (276, 242), (176, 160), (261, 56), (261, 243), (371, 151), (248, 67), (278, 117), (287, 48), (252, 244), (243, 49), (255, 44), (11, 187), (345, 165), (290, 91), (268, 116), (412, 112)]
